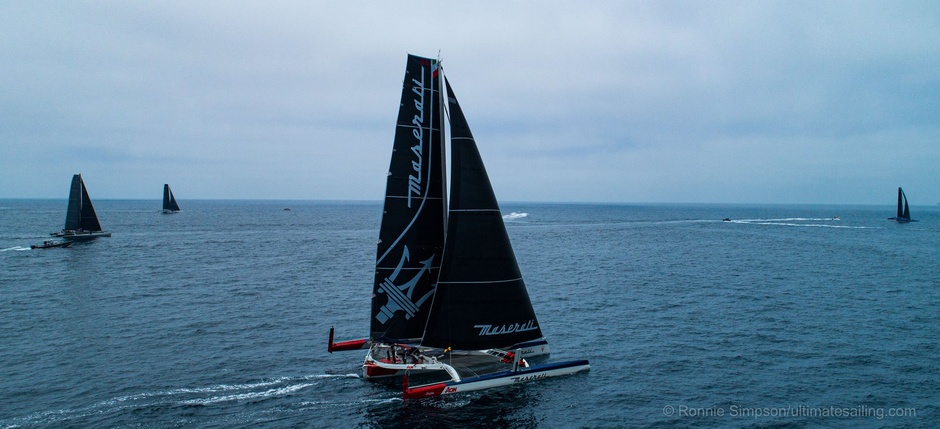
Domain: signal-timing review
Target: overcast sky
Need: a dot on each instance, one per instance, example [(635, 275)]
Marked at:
[(699, 101)]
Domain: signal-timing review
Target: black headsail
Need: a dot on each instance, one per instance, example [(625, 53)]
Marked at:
[(411, 237), (81, 213), (169, 201), (481, 300), (89, 217)]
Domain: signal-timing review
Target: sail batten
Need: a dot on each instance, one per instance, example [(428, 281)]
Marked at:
[(482, 281)]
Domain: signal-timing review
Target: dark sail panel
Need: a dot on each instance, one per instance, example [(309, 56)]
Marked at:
[(905, 211), (73, 216), (900, 203), (169, 201), (411, 237), (481, 300), (89, 217)]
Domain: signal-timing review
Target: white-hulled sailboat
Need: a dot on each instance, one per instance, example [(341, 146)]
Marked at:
[(448, 296)]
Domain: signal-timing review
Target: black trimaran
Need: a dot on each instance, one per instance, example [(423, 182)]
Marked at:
[(448, 296), (904, 212), (169, 201), (81, 221)]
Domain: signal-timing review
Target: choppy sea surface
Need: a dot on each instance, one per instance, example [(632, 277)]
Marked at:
[(218, 316)]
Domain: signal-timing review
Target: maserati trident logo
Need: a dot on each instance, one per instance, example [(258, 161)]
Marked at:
[(400, 296), (507, 329)]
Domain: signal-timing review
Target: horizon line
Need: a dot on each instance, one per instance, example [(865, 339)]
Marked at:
[(379, 201)]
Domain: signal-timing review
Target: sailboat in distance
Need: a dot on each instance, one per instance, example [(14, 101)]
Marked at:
[(448, 297), (904, 212), (81, 220), (169, 201)]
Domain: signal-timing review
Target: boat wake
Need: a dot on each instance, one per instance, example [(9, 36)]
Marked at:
[(237, 392), (195, 396), (15, 249), (811, 222), (515, 216)]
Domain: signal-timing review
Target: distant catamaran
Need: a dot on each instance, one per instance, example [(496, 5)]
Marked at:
[(904, 212), (81, 221), (448, 295), (169, 201)]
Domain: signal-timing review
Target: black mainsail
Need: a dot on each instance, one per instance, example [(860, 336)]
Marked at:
[(169, 201), (73, 215), (481, 300), (411, 237), (81, 220)]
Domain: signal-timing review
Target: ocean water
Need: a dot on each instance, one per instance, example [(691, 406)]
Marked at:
[(218, 316)]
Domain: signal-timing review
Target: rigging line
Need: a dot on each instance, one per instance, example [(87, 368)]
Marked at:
[(447, 97)]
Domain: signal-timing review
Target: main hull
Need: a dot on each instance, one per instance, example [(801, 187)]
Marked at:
[(499, 379), (381, 363), (80, 235)]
